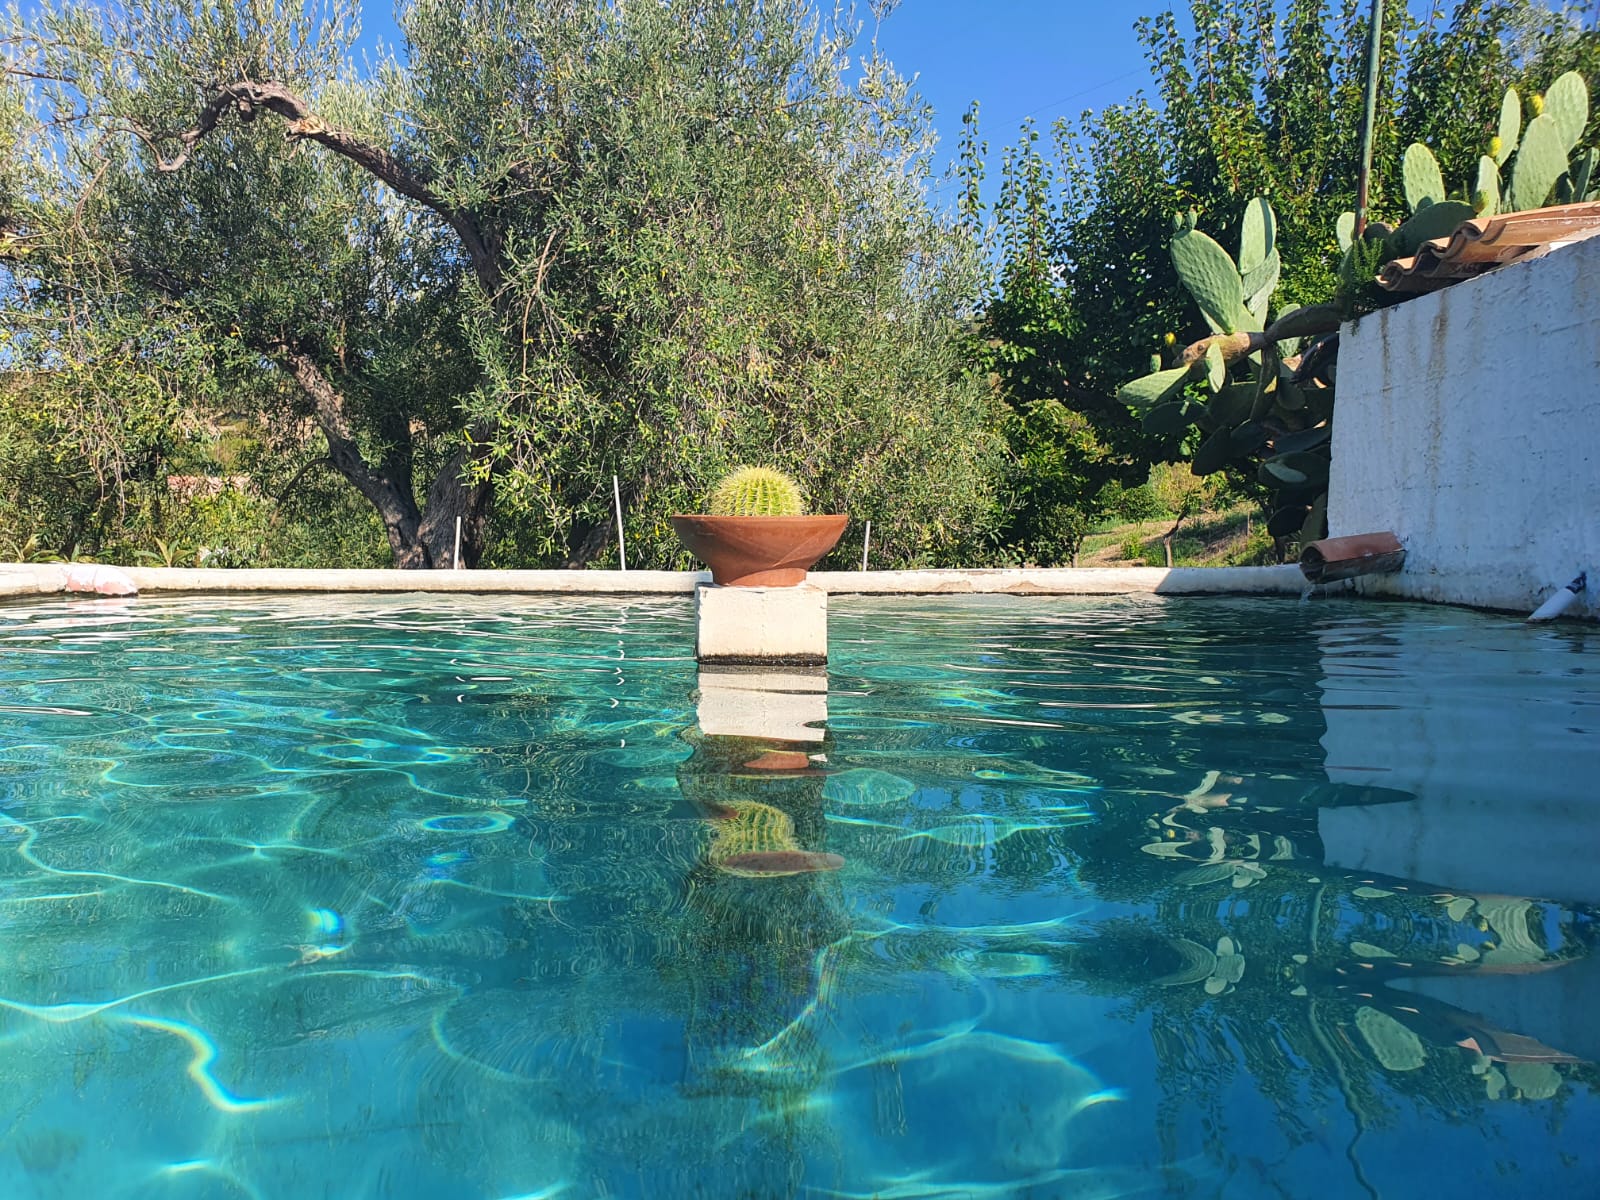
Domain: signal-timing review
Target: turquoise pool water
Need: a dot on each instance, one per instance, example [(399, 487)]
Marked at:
[(475, 898)]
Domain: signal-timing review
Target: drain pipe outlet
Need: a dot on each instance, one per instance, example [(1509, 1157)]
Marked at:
[(1346, 557), (1562, 601)]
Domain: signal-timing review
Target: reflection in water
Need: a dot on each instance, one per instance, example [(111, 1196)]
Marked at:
[(489, 898)]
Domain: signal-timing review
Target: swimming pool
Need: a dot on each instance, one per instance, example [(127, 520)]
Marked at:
[(429, 897)]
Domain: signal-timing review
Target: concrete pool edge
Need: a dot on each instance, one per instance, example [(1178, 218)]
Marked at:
[(30, 579)]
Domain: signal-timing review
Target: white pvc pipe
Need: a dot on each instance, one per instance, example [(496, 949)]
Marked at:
[(458, 544), (865, 542), (622, 552), (1564, 600)]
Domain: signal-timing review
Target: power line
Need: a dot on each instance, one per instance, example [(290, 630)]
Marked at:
[(1074, 95)]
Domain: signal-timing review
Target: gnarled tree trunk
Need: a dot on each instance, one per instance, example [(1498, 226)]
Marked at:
[(419, 538), (452, 496)]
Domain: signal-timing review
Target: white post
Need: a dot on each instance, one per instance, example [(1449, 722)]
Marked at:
[(866, 541), (458, 544), (622, 551)]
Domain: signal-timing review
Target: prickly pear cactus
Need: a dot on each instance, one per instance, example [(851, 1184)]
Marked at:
[(1567, 104), (756, 492), (1210, 277), (1270, 400), (1486, 196), (1544, 156), (1541, 162), (1582, 174)]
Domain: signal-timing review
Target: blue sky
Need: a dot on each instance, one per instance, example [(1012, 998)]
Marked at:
[(1040, 58), (1043, 58)]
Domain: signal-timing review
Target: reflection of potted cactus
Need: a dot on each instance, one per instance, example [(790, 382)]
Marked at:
[(756, 533)]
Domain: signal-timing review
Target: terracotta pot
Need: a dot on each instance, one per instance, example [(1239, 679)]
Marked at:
[(759, 551)]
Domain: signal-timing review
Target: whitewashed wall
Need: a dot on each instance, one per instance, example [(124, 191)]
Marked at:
[(1469, 424)]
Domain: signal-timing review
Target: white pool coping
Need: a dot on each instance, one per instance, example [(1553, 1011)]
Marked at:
[(28, 579)]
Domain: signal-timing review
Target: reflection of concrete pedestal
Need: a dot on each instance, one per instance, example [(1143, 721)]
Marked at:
[(761, 625), (784, 706)]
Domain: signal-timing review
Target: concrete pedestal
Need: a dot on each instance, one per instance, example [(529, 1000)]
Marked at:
[(758, 625)]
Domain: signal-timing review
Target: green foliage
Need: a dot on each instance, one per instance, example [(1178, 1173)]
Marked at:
[(1061, 461), (1069, 436), (1180, 492), (1131, 504), (1357, 290), (556, 242), (755, 492)]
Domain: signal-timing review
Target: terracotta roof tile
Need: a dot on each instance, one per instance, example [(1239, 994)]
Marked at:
[(1485, 243)]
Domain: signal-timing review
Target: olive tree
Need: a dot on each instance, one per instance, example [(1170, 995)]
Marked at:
[(559, 239)]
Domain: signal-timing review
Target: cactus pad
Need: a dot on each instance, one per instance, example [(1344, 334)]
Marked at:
[(1486, 195), (1344, 229), (1510, 127), (1149, 390), (1582, 172), (1212, 279), (1541, 161), (1567, 104), (1435, 221), (1173, 417), (1214, 454), (1424, 183), (1258, 237), (1392, 1044)]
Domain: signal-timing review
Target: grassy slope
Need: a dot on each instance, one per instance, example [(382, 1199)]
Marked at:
[(1234, 537)]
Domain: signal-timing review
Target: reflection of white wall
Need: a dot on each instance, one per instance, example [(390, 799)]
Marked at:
[(1469, 424), (1557, 1007), (1490, 733)]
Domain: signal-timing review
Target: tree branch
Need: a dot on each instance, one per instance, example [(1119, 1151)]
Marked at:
[(282, 493), (250, 98)]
